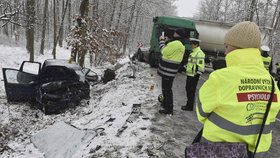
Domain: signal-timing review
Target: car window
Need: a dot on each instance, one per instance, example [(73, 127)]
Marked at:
[(15, 76), (11, 76), (32, 68)]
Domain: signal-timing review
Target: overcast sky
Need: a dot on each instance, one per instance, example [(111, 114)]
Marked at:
[(187, 8)]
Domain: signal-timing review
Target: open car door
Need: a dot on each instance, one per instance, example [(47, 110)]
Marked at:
[(20, 85)]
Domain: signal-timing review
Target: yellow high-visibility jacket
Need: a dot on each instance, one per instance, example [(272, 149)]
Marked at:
[(233, 102), (172, 56), (266, 62), (196, 62)]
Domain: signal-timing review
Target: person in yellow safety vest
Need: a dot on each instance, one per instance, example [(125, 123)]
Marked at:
[(172, 55), (233, 99), (278, 68), (194, 69), (267, 60), (277, 75)]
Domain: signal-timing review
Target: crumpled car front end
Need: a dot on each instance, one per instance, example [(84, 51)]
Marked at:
[(57, 96)]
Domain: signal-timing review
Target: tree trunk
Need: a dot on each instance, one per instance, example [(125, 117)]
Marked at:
[(251, 11), (84, 9), (38, 25), (95, 10), (95, 17), (61, 28), (69, 15), (226, 9), (218, 7), (30, 4), (54, 29), (42, 47), (119, 16), (265, 13), (79, 52), (6, 30), (274, 23), (112, 15), (129, 25), (136, 24)]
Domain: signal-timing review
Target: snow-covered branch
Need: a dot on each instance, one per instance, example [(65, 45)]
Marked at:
[(9, 13)]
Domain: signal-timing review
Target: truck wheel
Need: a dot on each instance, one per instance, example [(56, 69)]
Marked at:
[(152, 60)]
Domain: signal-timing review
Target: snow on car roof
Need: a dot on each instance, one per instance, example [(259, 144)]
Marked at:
[(61, 62)]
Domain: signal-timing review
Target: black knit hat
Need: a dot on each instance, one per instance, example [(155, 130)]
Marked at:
[(180, 32)]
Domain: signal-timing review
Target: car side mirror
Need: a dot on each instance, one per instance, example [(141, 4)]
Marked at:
[(90, 75)]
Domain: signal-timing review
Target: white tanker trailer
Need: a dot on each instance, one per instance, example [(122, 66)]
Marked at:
[(211, 34)]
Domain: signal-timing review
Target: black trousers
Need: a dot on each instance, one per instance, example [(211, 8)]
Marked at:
[(166, 84), (191, 84)]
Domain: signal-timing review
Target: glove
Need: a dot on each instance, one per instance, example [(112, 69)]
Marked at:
[(162, 38)]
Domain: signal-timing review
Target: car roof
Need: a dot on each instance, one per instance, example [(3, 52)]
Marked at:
[(61, 62)]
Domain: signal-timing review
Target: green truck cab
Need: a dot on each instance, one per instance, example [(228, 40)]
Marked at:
[(167, 25)]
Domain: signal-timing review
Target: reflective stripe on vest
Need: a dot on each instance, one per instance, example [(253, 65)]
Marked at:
[(168, 67), (229, 126), (191, 66)]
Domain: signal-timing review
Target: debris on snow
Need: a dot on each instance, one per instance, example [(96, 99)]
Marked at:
[(61, 140)]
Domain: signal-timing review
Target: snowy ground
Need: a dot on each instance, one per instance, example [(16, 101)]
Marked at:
[(109, 108), (106, 127)]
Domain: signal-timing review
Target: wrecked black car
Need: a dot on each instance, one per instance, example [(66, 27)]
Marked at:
[(54, 87)]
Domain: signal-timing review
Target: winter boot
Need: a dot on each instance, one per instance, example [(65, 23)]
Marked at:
[(187, 108)]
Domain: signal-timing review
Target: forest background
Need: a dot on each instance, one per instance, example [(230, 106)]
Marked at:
[(104, 30)]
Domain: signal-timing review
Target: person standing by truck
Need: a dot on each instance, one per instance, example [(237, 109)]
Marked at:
[(232, 99), (277, 75), (194, 69), (172, 56), (267, 60)]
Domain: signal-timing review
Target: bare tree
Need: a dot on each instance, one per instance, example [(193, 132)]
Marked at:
[(251, 10), (56, 35), (69, 15), (274, 23), (129, 25), (133, 19), (54, 29), (84, 9), (11, 13), (80, 32), (61, 28), (119, 14), (42, 47), (113, 14), (30, 7)]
